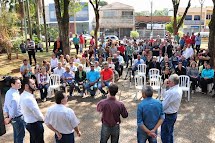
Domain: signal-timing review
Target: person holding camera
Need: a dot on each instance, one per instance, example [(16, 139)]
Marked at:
[(31, 50)]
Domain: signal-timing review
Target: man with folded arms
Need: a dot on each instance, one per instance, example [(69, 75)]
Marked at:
[(62, 120)]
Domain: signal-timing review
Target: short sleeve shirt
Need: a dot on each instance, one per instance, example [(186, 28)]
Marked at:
[(106, 74)]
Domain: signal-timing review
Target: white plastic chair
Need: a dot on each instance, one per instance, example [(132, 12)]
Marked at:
[(54, 84), (140, 81), (141, 70), (155, 83), (184, 83), (154, 71)]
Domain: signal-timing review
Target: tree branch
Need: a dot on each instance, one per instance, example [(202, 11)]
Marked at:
[(185, 13), (92, 4)]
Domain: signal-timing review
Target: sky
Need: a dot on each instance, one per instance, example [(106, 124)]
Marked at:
[(144, 5)]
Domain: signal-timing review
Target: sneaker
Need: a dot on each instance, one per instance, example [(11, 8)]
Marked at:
[(198, 89), (44, 100)]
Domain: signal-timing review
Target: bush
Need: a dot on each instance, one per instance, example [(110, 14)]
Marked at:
[(134, 34)]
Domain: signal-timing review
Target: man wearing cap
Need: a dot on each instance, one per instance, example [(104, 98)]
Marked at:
[(93, 77)]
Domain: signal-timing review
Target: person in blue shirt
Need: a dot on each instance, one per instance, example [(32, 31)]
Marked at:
[(182, 42), (150, 116), (68, 78), (76, 42), (93, 77), (13, 112), (207, 76)]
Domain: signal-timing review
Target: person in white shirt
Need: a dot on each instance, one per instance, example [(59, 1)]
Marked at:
[(121, 62), (171, 104), (73, 68), (31, 112), (62, 120), (12, 110), (53, 62), (137, 62), (59, 70), (188, 52)]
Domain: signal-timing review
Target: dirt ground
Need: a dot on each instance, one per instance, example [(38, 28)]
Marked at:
[(195, 123)]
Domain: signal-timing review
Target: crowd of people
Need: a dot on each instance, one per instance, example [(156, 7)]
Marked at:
[(95, 68)]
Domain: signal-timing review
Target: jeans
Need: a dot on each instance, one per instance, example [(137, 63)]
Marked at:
[(43, 90), (134, 69), (81, 48), (32, 53), (100, 86), (66, 138), (18, 129), (167, 128), (142, 137), (36, 131), (91, 88), (108, 132)]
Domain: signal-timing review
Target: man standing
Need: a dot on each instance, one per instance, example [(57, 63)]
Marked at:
[(64, 131), (31, 50), (171, 104), (31, 112), (150, 116), (111, 110), (82, 40), (198, 42), (13, 112), (58, 47), (76, 41)]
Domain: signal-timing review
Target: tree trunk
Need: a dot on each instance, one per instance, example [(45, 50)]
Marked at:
[(37, 10), (63, 24), (45, 29), (29, 19), (211, 43), (96, 28)]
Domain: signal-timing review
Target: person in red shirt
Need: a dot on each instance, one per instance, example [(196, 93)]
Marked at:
[(193, 41), (187, 39), (82, 41), (121, 48), (92, 41), (106, 78)]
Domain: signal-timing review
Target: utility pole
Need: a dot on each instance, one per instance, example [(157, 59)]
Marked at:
[(151, 35), (200, 24), (24, 19)]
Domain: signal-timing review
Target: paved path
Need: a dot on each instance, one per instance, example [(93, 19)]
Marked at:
[(195, 123)]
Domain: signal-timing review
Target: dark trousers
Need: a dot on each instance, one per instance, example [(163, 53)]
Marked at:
[(167, 128), (108, 132), (204, 83), (197, 48), (36, 131), (77, 48), (18, 129), (43, 90), (32, 54), (195, 82), (66, 138), (76, 86), (129, 58)]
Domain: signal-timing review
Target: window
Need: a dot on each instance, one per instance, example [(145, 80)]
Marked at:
[(188, 17), (127, 14), (197, 17), (109, 13), (208, 16), (52, 15)]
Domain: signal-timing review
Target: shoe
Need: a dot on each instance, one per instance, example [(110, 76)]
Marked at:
[(44, 100), (198, 89)]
